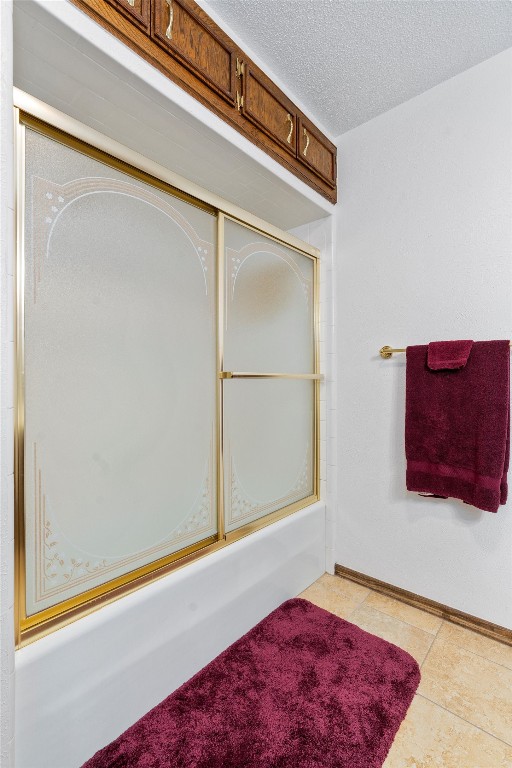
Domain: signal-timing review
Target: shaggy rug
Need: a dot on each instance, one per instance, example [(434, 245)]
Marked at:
[(302, 689)]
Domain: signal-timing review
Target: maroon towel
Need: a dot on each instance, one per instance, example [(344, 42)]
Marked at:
[(448, 354), (457, 425)]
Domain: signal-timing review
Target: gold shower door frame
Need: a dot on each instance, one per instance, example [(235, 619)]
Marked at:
[(53, 124)]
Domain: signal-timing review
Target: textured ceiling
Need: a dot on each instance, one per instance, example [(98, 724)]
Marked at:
[(350, 60)]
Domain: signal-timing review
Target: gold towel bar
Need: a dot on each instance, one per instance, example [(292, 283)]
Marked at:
[(387, 352)]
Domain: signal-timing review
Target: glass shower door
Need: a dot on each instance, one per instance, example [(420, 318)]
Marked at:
[(270, 377), (118, 300)]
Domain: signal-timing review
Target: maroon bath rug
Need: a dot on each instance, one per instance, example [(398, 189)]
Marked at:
[(302, 689)]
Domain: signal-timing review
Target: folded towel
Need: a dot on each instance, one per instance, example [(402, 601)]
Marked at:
[(448, 354), (457, 423)]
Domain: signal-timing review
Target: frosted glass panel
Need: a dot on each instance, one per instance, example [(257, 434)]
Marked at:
[(269, 305), (269, 446), (119, 373)]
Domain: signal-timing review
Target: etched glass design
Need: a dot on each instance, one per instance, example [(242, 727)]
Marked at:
[(269, 423), (119, 341), (269, 307), (268, 446)]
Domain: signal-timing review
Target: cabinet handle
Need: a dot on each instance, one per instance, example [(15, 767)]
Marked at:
[(290, 118), (168, 31), (306, 134), (240, 67)]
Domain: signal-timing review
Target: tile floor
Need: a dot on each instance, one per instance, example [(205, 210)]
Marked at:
[(461, 716)]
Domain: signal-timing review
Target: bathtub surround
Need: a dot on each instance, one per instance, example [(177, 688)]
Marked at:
[(425, 240), (302, 688), (111, 667), (457, 422)]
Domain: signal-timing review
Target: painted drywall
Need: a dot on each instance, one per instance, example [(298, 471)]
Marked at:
[(6, 392), (321, 234), (424, 253)]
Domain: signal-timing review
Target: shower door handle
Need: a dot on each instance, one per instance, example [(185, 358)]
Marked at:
[(244, 375)]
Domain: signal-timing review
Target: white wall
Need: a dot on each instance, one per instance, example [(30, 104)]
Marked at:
[(322, 234), (424, 253), (6, 392)]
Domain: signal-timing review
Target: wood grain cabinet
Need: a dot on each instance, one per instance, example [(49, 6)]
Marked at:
[(268, 108), (137, 11), (183, 42), (187, 33), (316, 151)]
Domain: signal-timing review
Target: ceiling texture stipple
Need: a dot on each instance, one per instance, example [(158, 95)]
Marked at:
[(348, 61)]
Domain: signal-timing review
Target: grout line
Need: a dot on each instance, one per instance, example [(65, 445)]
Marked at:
[(431, 644), (358, 605), (439, 628), (434, 638), (408, 623), (483, 627), (335, 592), (427, 613), (478, 727), (478, 655), (433, 635)]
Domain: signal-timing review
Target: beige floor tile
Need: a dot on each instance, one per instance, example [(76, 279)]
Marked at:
[(431, 737), (470, 686), (418, 618), (476, 643), (411, 639), (344, 586), (339, 596)]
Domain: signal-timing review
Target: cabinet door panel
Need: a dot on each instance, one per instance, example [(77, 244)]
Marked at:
[(137, 11), (189, 35), (317, 152), (188, 47), (268, 108)]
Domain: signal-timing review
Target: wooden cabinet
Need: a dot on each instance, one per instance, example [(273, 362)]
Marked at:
[(268, 108), (137, 11), (187, 33), (316, 151), (182, 41)]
